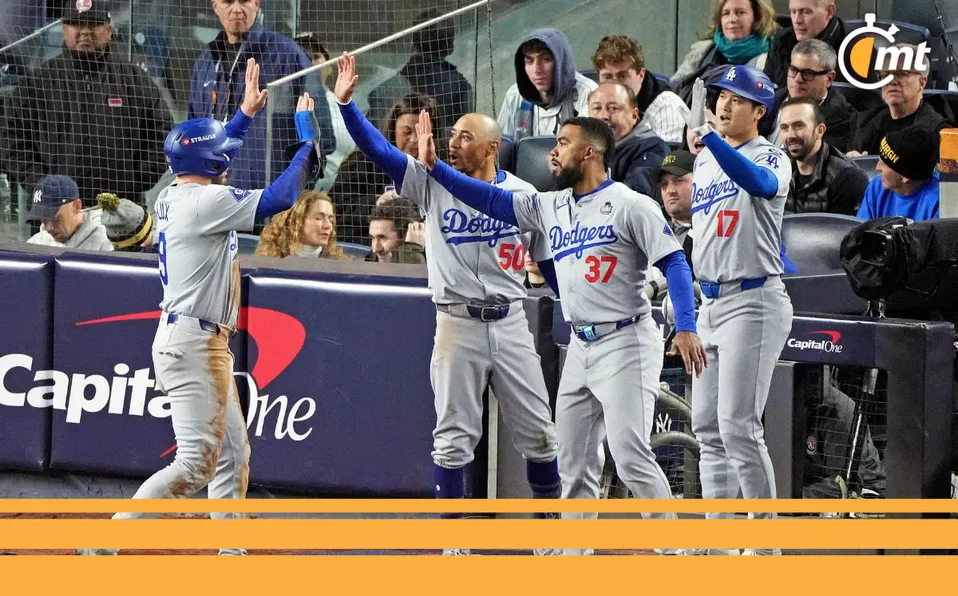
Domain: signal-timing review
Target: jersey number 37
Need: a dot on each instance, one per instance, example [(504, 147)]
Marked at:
[(161, 248)]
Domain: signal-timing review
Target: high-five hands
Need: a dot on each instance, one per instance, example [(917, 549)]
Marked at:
[(253, 99), (699, 114), (427, 146), (347, 80)]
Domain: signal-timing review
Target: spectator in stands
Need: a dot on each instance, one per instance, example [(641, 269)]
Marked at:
[(360, 183), (344, 143), (534, 278), (128, 225), (692, 143), (904, 107), (810, 75), (740, 32), (811, 19), (307, 229), (637, 148), (548, 89), (218, 82), (908, 183), (620, 59), (429, 72), (57, 206), (673, 177), (823, 179), (396, 233), (88, 114)]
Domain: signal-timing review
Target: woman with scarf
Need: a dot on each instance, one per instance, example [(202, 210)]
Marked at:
[(741, 32)]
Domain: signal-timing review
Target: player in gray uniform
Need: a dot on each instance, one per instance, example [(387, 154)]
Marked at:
[(604, 237), (198, 217), (476, 273), (739, 187)]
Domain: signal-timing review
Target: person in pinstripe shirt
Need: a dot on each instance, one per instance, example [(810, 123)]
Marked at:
[(619, 59)]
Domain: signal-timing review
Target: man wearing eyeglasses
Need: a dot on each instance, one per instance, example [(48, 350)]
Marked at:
[(904, 106), (810, 76)]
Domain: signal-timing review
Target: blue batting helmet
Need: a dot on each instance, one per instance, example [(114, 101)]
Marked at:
[(200, 146), (750, 83)]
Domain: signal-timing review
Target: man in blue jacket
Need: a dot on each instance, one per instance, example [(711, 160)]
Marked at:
[(908, 184), (219, 82)]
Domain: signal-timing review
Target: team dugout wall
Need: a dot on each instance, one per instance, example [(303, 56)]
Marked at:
[(332, 363)]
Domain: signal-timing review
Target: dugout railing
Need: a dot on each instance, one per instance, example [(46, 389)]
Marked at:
[(332, 362)]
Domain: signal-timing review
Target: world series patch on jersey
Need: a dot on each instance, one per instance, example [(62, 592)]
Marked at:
[(738, 236), (603, 244), (198, 249), (461, 240)]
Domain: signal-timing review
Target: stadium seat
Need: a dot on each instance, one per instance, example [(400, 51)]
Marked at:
[(356, 252), (861, 99), (247, 243), (812, 240), (507, 154), (532, 161), (948, 95), (867, 163), (908, 33), (590, 73)]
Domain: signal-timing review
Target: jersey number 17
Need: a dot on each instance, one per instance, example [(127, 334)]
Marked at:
[(727, 220)]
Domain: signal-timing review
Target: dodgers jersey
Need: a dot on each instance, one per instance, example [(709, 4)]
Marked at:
[(198, 250), (738, 236), (602, 245), (471, 257)]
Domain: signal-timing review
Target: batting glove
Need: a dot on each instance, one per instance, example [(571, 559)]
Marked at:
[(697, 119)]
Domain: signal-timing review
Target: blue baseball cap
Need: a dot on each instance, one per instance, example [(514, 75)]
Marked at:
[(50, 194)]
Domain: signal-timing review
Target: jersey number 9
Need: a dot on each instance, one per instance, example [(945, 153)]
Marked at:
[(161, 248)]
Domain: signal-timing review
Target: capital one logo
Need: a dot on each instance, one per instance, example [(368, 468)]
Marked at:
[(279, 338), (859, 58), (830, 342)]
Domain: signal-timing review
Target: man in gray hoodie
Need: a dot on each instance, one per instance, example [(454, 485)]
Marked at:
[(57, 205), (638, 150), (548, 89)]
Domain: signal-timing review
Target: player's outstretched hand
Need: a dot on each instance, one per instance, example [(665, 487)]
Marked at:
[(690, 347), (347, 80), (427, 147), (699, 115), (254, 99), (307, 126)]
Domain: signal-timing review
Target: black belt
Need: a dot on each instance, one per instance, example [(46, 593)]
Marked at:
[(598, 330), (485, 313)]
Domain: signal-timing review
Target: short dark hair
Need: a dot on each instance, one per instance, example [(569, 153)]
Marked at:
[(310, 43), (411, 104), (400, 211), (534, 46), (819, 115), (598, 133)]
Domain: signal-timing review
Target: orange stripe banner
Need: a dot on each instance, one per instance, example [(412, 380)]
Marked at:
[(423, 534), (386, 506)]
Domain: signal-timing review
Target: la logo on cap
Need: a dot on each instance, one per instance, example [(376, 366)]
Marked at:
[(84, 5), (730, 75)]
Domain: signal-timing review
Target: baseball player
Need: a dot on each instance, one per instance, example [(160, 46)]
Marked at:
[(197, 222), (604, 237), (476, 273), (739, 185)]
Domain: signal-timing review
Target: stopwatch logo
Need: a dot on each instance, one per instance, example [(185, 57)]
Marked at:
[(859, 58)]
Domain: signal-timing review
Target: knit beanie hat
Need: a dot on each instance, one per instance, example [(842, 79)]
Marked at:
[(127, 224), (912, 152)]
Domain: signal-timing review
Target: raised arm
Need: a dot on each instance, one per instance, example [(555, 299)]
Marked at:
[(370, 141), (491, 200), (282, 194), (754, 179)]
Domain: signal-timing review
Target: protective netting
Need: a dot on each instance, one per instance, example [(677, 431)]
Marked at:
[(93, 96)]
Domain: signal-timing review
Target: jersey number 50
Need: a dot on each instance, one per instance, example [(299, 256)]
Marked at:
[(727, 220), (161, 248), (512, 256)]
